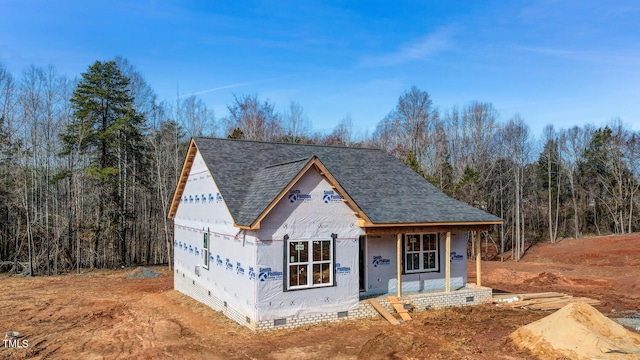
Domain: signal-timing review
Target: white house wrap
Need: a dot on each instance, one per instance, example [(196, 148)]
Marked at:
[(275, 234)]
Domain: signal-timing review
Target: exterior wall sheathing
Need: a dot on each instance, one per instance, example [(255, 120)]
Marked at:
[(471, 295), (189, 286)]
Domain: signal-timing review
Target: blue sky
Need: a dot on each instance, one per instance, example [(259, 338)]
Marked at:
[(553, 62)]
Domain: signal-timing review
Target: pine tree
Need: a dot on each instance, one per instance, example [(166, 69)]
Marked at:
[(107, 130)]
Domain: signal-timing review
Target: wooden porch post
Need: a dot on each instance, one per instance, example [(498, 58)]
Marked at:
[(399, 260), (447, 262), (478, 259)]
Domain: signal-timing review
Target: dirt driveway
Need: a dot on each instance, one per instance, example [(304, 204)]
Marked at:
[(103, 314)]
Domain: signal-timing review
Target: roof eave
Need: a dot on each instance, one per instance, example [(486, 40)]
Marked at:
[(433, 227), (448, 223), (184, 177)]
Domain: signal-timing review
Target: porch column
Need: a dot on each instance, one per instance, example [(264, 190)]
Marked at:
[(447, 262), (399, 260), (478, 259)]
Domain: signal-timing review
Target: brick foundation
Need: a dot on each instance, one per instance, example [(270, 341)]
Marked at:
[(190, 287), (470, 295)]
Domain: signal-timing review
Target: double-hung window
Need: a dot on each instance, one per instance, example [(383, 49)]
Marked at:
[(309, 263), (421, 253)]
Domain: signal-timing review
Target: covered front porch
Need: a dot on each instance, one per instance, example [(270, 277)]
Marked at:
[(422, 274), (417, 260)]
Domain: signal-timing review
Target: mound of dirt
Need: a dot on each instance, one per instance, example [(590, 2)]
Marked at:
[(544, 279), (507, 276), (578, 331), (142, 273)]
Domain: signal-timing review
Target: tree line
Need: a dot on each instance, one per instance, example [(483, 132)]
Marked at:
[(88, 165), (570, 182)]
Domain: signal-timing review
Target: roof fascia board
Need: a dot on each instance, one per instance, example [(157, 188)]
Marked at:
[(472, 223), (334, 182), (424, 229), (184, 176), (313, 162)]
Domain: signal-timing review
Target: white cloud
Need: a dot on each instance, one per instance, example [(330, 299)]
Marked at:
[(236, 85), (231, 86), (416, 50)]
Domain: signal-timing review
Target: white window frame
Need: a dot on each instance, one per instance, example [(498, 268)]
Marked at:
[(421, 253), (308, 263), (205, 249)]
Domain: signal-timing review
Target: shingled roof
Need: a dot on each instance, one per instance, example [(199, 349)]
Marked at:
[(251, 174)]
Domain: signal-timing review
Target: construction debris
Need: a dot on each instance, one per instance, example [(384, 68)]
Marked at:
[(632, 321), (400, 308), (387, 315), (12, 335), (539, 301), (142, 273)]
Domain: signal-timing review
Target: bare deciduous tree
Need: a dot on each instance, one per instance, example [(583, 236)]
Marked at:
[(551, 174), (573, 142), (515, 138), (257, 120), (296, 123)]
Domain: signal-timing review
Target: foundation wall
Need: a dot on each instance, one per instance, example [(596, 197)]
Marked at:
[(470, 295), (189, 286)]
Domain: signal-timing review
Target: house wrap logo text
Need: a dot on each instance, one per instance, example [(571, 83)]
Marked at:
[(296, 195), (331, 196)]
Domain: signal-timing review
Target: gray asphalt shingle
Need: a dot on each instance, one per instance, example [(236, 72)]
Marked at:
[(267, 183), (251, 174)]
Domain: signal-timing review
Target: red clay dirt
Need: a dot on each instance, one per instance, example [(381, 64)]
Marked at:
[(102, 314), (602, 268)]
